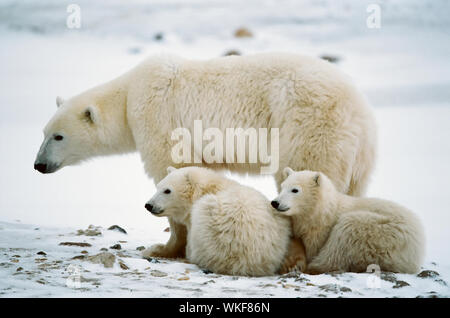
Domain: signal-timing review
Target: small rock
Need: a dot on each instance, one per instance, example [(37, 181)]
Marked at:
[(310, 284), (79, 257), (157, 273), (330, 58), (288, 286), (15, 260), (167, 229), (121, 254), (334, 288), (117, 228), (158, 36), (345, 289), (41, 281), (105, 258), (211, 281), (104, 249), (123, 265), (116, 247), (140, 248), (232, 52), (41, 253), (16, 256), (400, 284), (206, 271), (80, 244), (152, 260), (243, 33), (90, 231), (441, 281), (389, 277), (84, 252), (184, 278), (428, 274), (19, 269)]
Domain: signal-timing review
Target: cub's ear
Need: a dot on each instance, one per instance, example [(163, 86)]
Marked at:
[(90, 114), (170, 169), (287, 172), (317, 179), (59, 101)]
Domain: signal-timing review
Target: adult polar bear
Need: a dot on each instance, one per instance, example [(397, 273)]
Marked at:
[(324, 122)]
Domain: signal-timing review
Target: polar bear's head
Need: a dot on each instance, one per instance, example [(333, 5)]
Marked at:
[(88, 125), (176, 193), (301, 192)]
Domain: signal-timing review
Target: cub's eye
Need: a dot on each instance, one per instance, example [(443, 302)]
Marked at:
[(58, 137), (167, 191), (294, 190)]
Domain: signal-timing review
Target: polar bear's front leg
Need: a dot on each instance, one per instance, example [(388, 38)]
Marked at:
[(174, 248)]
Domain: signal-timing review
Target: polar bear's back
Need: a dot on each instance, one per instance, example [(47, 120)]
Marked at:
[(234, 232)]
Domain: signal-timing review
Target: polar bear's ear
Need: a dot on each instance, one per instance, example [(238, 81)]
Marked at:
[(90, 114), (170, 169), (59, 101), (317, 179), (287, 172)]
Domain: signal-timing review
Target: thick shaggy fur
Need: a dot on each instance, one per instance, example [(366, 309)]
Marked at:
[(324, 121), (231, 228), (344, 233)]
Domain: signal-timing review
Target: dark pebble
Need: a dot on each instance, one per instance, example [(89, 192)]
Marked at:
[(117, 228), (152, 260), (428, 274)]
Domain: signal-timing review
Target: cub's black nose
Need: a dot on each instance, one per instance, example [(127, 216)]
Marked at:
[(275, 204), (149, 207), (41, 167)]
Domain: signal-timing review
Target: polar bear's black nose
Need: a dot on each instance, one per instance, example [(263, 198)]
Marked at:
[(149, 207), (41, 167), (275, 204)]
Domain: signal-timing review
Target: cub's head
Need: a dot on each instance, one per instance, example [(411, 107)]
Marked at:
[(176, 193), (84, 126), (300, 192)]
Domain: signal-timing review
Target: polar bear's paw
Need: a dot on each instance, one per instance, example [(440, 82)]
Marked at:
[(157, 250)]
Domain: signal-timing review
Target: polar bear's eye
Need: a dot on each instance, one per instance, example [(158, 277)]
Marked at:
[(167, 191), (58, 137), (294, 190)]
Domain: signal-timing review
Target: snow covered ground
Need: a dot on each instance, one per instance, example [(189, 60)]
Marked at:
[(403, 68)]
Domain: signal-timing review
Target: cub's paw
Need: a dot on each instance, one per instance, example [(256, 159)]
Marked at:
[(292, 266)]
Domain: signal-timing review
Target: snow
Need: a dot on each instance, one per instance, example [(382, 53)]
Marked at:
[(56, 274), (403, 68)]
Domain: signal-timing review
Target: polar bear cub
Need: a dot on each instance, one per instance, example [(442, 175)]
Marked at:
[(344, 233), (231, 228)]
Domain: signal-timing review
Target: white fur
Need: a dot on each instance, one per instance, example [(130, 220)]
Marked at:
[(231, 229), (344, 233), (325, 123)]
